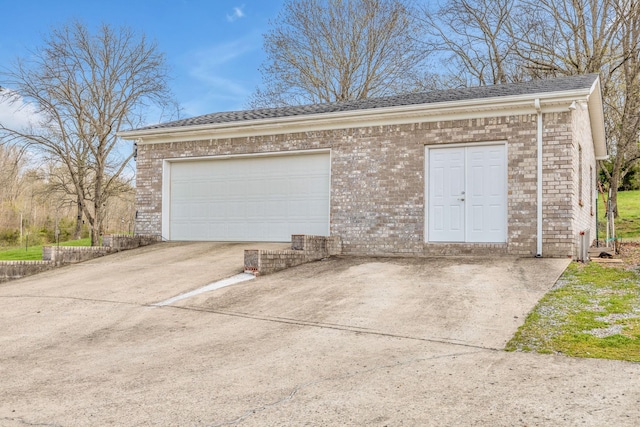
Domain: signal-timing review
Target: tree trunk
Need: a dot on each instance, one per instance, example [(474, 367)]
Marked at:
[(77, 233), (95, 233), (614, 182), (97, 205)]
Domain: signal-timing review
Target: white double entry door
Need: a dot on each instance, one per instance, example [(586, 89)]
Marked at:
[(467, 193)]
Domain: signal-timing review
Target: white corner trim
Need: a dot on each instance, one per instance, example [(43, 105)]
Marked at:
[(166, 199)]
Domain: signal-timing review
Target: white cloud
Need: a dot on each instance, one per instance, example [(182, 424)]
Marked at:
[(205, 63), (218, 73), (237, 14), (16, 114)]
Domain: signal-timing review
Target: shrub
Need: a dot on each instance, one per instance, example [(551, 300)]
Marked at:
[(9, 237)]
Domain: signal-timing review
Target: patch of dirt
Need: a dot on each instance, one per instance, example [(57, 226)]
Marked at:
[(613, 317), (606, 332), (630, 254)]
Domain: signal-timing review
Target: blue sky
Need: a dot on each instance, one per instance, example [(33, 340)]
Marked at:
[(214, 48)]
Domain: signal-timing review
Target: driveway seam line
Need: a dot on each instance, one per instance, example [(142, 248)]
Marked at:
[(136, 304), (356, 330), (23, 421), (282, 320)]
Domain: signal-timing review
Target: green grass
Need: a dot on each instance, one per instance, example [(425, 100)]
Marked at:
[(628, 221), (79, 242), (591, 299), (34, 253)]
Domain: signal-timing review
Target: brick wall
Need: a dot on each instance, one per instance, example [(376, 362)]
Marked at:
[(520, 134), (584, 200), (558, 185), (377, 181), (304, 248)]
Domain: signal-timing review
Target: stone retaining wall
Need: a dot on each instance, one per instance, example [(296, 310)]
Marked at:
[(72, 254), (54, 256), (10, 270), (123, 242)]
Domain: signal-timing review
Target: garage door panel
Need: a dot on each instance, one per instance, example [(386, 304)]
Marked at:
[(299, 187), (200, 211), (249, 199), (255, 209), (239, 185), (217, 228), (216, 213), (277, 228), (316, 210), (180, 212), (180, 227), (298, 209)]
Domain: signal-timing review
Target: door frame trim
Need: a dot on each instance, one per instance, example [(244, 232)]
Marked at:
[(428, 148)]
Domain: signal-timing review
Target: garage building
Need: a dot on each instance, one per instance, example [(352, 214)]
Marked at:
[(505, 169)]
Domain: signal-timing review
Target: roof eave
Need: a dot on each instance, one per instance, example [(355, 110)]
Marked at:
[(376, 116)]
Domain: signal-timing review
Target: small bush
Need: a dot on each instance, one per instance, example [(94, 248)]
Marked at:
[(66, 229), (33, 239), (9, 237)]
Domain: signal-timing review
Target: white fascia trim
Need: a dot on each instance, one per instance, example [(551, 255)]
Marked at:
[(455, 110), (596, 117), (252, 155)]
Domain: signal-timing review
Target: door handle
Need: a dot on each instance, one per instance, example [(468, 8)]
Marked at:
[(461, 199)]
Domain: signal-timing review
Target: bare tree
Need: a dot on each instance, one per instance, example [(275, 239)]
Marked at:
[(59, 183), (338, 50), (11, 163), (87, 87), (473, 40), (571, 37), (11, 167), (567, 37), (623, 103)]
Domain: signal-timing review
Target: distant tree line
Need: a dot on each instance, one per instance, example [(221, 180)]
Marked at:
[(35, 209)]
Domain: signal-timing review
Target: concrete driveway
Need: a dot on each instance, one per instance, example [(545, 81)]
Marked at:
[(348, 341)]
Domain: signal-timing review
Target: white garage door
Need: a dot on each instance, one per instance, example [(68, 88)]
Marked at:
[(250, 198), (467, 193)]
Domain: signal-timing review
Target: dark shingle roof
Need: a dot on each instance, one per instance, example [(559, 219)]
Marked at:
[(450, 95)]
